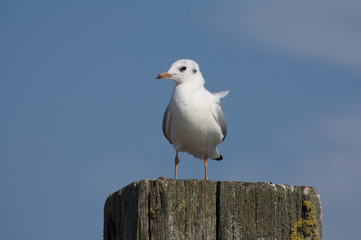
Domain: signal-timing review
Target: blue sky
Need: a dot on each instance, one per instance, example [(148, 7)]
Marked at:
[(80, 111)]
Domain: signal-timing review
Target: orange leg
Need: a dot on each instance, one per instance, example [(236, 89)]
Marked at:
[(205, 166), (176, 160)]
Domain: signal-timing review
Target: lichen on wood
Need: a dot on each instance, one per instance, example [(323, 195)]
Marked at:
[(306, 227)]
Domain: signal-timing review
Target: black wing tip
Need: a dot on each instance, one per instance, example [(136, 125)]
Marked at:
[(219, 158)]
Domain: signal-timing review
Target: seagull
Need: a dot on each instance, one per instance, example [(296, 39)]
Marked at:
[(193, 120)]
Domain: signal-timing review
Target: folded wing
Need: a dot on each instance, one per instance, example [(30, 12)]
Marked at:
[(218, 113), (166, 123)]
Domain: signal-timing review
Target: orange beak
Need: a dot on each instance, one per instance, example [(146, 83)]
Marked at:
[(164, 75)]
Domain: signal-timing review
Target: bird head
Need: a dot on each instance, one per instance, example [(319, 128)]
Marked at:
[(183, 71)]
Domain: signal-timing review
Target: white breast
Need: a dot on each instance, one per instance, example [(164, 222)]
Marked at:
[(193, 128)]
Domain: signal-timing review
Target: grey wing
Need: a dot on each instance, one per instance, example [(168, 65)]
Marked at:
[(166, 123), (220, 119)]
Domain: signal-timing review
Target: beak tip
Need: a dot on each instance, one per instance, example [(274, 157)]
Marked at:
[(164, 75)]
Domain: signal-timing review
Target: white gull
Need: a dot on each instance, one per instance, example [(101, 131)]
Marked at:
[(193, 121)]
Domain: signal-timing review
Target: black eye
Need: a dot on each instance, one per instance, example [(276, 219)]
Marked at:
[(194, 70), (183, 68)]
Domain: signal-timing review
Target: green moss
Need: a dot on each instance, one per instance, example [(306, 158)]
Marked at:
[(306, 227), (181, 205), (153, 213)]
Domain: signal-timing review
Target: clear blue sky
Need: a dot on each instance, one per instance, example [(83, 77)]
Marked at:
[(81, 112)]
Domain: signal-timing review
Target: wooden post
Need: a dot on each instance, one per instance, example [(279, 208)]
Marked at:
[(197, 209)]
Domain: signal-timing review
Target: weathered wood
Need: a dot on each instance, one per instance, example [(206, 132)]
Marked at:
[(197, 209)]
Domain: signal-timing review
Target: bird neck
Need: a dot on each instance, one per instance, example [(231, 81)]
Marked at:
[(194, 81), (192, 85)]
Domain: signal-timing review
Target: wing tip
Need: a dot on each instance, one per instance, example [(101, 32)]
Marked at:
[(219, 158), (221, 94)]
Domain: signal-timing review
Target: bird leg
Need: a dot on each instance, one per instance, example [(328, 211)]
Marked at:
[(205, 166), (176, 160)]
